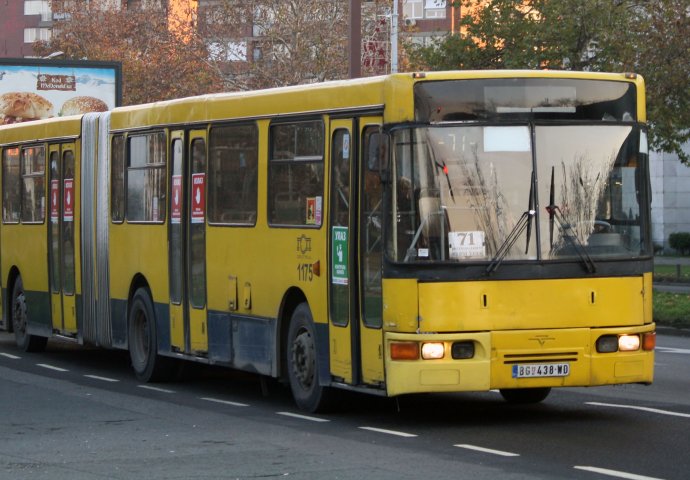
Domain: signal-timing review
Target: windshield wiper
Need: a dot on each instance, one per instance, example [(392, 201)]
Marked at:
[(524, 222), (444, 168), (556, 216)]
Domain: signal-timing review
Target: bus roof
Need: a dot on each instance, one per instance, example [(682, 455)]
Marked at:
[(40, 130)]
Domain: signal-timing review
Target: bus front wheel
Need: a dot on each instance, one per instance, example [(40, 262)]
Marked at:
[(20, 321), (302, 363), (525, 395), (143, 351)]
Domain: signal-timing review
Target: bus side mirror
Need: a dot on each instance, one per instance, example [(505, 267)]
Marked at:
[(377, 156)]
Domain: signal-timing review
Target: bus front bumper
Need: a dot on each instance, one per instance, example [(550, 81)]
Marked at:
[(514, 359)]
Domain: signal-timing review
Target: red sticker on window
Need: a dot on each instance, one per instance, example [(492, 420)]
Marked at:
[(68, 204), (198, 198), (176, 209), (54, 201)]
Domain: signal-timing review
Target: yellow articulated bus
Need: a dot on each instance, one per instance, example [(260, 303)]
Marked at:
[(427, 232)]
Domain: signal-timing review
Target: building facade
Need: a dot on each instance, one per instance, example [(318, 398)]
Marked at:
[(670, 197), (23, 22)]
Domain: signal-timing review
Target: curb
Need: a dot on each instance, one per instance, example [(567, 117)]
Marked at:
[(674, 331)]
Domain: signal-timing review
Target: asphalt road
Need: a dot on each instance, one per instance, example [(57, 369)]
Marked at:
[(76, 413)]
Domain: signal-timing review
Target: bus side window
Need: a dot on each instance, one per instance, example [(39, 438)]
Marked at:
[(233, 174), (117, 179), (295, 173), (146, 184), (33, 184), (11, 200)]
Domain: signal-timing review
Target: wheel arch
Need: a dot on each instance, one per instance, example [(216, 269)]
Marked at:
[(7, 300), (138, 281), (292, 298)]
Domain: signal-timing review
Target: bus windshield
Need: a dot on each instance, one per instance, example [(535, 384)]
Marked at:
[(531, 191)]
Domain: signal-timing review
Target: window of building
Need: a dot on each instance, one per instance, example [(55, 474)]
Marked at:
[(233, 176), (38, 7), (230, 51), (146, 178), (435, 9), (295, 173), (420, 9), (11, 197), (33, 184), (32, 35), (413, 9)]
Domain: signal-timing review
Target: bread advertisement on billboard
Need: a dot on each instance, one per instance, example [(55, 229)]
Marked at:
[(34, 89)]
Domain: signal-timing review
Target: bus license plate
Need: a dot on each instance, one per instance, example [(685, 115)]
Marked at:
[(541, 370)]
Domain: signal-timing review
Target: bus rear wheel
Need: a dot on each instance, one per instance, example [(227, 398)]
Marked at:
[(143, 346), (303, 364), (525, 395), (20, 321)]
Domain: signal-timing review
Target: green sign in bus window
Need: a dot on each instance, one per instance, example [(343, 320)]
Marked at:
[(339, 256)]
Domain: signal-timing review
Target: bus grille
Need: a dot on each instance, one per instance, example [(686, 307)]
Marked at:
[(540, 357)]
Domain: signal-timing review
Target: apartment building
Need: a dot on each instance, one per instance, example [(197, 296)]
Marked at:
[(23, 22)]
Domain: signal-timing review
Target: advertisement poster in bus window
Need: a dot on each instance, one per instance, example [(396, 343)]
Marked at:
[(54, 201), (313, 213), (339, 271), (198, 198), (34, 89), (176, 209), (68, 208)]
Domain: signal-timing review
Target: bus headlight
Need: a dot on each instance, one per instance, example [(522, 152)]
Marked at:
[(462, 350), (607, 344), (628, 343), (618, 343), (433, 351)]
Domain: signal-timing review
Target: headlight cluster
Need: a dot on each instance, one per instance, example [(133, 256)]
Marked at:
[(431, 350), (626, 343)]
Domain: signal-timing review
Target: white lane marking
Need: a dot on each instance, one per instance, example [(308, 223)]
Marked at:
[(303, 417), (644, 409), (488, 450), (104, 379), (683, 351), (615, 473), (9, 355), (388, 432), (51, 367), (224, 402), (156, 389)]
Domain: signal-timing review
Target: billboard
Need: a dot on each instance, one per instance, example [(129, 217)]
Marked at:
[(32, 89)]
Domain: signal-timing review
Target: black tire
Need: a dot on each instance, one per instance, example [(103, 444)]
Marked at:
[(303, 364), (20, 320), (525, 395), (143, 346)]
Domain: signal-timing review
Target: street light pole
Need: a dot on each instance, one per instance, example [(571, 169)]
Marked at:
[(394, 38), (355, 38)]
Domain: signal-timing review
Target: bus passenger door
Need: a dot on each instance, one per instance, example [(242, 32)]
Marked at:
[(61, 238), (187, 243), (341, 297), (356, 339), (370, 250)]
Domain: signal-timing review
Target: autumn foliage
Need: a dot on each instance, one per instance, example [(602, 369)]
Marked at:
[(157, 62)]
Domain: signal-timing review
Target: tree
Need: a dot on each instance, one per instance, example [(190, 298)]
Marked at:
[(158, 62), (284, 42), (650, 37)]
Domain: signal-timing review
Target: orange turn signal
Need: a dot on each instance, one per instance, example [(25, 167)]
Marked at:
[(404, 351), (649, 341)]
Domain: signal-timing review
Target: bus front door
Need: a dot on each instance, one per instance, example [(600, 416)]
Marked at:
[(62, 238), (187, 243), (355, 261)]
